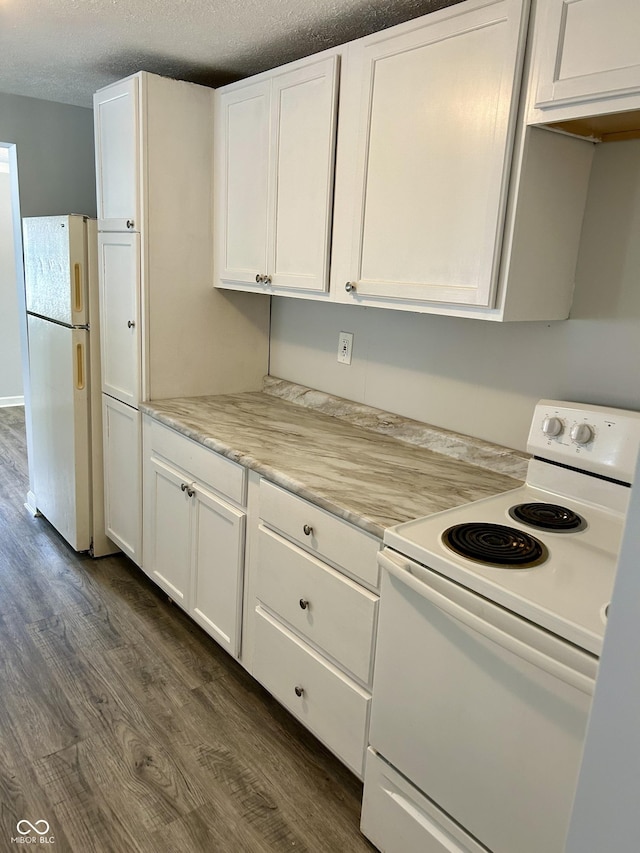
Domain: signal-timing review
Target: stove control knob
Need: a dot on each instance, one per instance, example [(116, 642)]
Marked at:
[(582, 433), (552, 426)]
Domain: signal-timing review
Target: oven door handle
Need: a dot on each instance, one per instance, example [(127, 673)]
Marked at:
[(408, 573)]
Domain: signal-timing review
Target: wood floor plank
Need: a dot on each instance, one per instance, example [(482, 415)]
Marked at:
[(126, 727)]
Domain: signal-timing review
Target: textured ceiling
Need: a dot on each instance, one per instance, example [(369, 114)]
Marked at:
[(64, 50)]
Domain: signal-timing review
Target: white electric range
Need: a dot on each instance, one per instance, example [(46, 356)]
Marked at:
[(492, 617)]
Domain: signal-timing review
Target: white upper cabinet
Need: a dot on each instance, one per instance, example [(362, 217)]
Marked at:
[(426, 133), (273, 184), (242, 181), (117, 156), (587, 58), (445, 201)]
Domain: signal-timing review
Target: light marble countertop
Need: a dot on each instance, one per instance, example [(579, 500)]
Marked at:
[(340, 456)]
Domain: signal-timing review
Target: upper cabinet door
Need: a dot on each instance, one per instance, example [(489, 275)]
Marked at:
[(117, 156), (302, 157), (425, 153), (242, 182), (588, 50), (275, 147)]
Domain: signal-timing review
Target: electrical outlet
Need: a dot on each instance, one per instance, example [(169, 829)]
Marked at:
[(345, 347)]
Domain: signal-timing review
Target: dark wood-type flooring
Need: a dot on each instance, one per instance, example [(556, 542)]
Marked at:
[(125, 727)]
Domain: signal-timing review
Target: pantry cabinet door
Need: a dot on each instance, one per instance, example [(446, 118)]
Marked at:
[(304, 105), (119, 289), (588, 51), (242, 174), (431, 151), (118, 156), (168, 519), (122, 476)]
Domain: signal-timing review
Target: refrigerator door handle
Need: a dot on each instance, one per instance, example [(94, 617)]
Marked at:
[(80, 372), (77, 272)]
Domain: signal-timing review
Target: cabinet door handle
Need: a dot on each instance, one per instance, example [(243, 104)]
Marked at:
[(304, 604), (130, 324), (350, 287), (299, 690), (130, 223), (307, 529)]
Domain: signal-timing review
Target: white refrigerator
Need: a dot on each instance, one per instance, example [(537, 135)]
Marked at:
[(61, 288)]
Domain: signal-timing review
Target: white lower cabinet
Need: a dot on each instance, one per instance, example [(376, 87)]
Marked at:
[(314, 620), (122, 510), (193, 533)]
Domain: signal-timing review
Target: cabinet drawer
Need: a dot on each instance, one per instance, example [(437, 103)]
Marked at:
[(398, 818), (328, 537), (332, 706), (332, 611), (210, 468)]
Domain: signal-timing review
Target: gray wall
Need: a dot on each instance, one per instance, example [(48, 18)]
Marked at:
[(484, 378), (53, 144), (56, 169), (10, 364)]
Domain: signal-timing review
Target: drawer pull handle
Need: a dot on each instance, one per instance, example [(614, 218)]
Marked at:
[(308, 530), (299, 690), (304, 603)]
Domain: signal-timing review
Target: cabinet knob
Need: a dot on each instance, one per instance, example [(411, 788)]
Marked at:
[(191, 492), (308, 530), (130, 324), (259, 278), (299, 690), (350, 287), (304, 604), (183, 487), (266, 279), (130, 223)]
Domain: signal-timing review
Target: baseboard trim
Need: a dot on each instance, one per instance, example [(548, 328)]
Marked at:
[(5, 402), (31, 504)]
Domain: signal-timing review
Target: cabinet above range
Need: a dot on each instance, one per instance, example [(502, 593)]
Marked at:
[(586, 67), (444, 200)]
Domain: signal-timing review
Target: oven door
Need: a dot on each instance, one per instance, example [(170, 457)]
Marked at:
[(482, 711)]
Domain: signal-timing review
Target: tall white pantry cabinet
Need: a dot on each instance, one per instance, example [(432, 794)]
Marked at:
[(165, 331)]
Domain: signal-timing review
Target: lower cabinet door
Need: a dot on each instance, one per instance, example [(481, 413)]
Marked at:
[(170, 495), (322, 697), (218, 559), (122, 476)]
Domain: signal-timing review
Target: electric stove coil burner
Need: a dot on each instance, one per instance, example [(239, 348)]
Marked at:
[(495, 545), (545, 516)]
